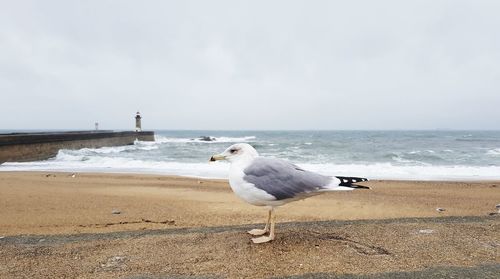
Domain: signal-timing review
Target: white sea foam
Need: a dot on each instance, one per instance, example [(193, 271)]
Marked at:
[(390, 171), (235, 139), (425, 151), (398, 159), (139, 145), (74, 163), (78, 163), (494, 152)]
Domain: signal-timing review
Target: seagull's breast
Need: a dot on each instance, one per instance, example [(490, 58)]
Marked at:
[(246, 190)]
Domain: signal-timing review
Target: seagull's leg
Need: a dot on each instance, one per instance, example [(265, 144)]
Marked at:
[(257, 232), (263, 239)]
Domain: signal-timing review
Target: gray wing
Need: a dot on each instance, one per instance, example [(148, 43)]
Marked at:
[(282, 179)]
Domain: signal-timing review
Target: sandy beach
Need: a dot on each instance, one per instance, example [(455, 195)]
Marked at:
[(127, 225)]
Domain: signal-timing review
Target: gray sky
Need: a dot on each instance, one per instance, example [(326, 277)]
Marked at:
[(250, 64)]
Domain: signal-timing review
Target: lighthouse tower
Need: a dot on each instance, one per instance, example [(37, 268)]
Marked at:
[(138, 122)]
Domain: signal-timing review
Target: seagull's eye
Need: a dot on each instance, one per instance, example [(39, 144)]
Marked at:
[(233, 151)]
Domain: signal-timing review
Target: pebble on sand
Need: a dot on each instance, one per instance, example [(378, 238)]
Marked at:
[(113, 262), (439, 209), (116, 211)]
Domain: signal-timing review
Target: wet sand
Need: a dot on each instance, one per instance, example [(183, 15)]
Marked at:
[(57, 225)]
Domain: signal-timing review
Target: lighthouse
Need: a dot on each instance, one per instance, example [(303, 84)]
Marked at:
[(138, 122)]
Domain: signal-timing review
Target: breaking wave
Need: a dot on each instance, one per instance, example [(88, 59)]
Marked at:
[(65, 161), (494, 152)]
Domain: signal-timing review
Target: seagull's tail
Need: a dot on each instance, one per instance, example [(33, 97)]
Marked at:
[(349, 182)]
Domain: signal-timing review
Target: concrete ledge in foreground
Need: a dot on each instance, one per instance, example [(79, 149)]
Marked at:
[(445, 247)]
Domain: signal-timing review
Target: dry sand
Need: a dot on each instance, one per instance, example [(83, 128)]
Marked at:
[(56, 225)]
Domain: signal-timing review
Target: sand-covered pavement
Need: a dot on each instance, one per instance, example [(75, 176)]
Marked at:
[(124, 225)]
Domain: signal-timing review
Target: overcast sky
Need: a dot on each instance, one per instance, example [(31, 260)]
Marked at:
[(250, 64)]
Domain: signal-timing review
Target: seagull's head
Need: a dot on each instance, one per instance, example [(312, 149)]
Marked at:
[(236, 152)]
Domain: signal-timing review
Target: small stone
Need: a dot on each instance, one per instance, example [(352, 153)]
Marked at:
[(2, 237), (498, 207), (113, 262), (426, 231), (439, 209), (206, 138), (116, 211)]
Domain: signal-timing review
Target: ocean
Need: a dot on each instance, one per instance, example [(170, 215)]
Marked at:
[(408, 155)]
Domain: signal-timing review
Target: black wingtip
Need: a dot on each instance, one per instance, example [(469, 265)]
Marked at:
[(349, 182)]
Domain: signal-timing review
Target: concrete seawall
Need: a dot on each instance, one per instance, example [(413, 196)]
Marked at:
[(25, 147)]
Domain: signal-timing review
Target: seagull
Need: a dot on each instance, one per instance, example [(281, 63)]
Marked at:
[(272, 182)]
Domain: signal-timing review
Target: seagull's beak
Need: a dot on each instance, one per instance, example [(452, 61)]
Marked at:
[(217, 157)]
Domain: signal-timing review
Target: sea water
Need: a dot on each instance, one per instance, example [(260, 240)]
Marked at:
[(413, 155)]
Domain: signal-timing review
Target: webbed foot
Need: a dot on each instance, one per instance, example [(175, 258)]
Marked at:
[(262, 239), (257, 232)]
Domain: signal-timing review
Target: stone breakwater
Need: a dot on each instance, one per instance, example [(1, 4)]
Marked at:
[(25, 147)]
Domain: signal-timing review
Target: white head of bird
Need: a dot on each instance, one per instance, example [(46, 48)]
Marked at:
[(237, 152)]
